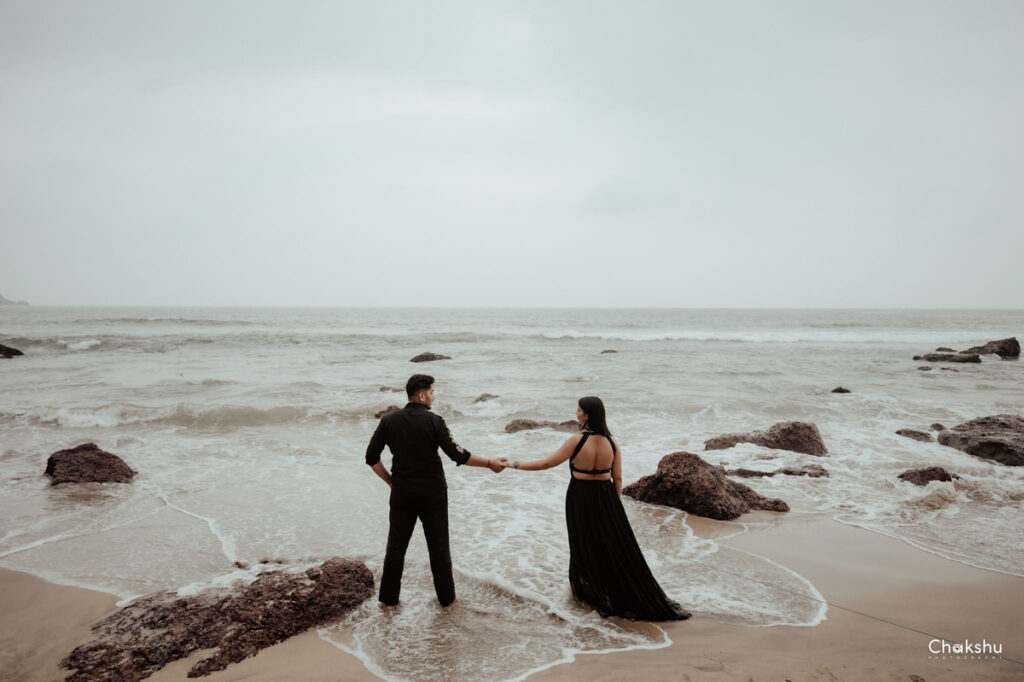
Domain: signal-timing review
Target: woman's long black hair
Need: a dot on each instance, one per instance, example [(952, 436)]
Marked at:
[(594, 409)]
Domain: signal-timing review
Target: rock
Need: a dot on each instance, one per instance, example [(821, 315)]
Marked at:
[(8, 352), (923, 476), (925, 368), (795, 436), (517, 425), (152, 631), (428, 357), (916, 435), (387, 410), (687, 482), (391, 389), (999, 438), (1004, 348), (87, 462), (484, 397), (949, 357), (948, 369), (609, 350), (4, 301), (840, 389), (944, 349), (810, 470), (938, 427)]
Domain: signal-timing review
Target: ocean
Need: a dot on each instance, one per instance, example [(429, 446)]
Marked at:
[(248, 428)]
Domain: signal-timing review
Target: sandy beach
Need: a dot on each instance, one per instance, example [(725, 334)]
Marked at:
[(887, 601)]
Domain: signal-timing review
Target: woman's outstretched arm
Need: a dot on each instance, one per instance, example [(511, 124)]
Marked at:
[(554, 459)]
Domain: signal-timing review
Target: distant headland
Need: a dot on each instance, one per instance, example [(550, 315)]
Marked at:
[(4, 301)]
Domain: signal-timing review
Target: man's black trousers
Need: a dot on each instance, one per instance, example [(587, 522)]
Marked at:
[(427, 501)]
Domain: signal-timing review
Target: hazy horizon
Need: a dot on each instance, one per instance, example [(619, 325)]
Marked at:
[(791, 155)]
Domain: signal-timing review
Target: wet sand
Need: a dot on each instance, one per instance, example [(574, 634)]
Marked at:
[(888, 600)]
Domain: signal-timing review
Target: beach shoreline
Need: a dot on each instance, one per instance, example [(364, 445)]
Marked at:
[(887, 599)]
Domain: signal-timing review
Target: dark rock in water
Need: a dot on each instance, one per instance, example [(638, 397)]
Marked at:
[(923, 476), (938, 427), (484, 397), (391, 389), (387, 410), (609, 350), (152, 631), (87, 462), (840, 389), (1004, 348), (795, 436), (916, 435), (999, 438), (944, 349), (949, 357), (925, 368), (948, 369), (529, 424), (428, 357), (687, 482), (8, 352), (810, 470)]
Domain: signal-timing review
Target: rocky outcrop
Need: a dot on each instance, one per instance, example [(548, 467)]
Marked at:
[(840, 389), (8, 352), (810, 470), (517, 425), (916, 435), (429, 357), (999, 438), (687, 482), (387, 410), (87, 462), (1004, 348), (484, 397), (795, 436), (5, 301), (924, 476), (949, 357), (944, 349), (938, 427), (150, 632)]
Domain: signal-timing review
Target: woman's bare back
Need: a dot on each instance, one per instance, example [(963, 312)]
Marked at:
[(596, 454)]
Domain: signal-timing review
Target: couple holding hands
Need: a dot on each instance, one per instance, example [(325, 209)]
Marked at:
[(607, 569)]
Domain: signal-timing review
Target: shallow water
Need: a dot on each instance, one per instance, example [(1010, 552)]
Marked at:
[(248, 428)]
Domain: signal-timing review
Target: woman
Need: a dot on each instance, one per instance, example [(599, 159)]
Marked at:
[(607, 570)]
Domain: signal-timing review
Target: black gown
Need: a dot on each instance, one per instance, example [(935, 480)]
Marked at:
[(607, 570)]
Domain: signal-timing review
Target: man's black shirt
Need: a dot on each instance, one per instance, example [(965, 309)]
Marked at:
[(413, 435)]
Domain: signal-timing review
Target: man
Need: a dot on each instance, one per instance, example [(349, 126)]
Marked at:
[(418, 486)]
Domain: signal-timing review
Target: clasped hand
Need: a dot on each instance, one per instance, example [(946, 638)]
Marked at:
[(499, 465)]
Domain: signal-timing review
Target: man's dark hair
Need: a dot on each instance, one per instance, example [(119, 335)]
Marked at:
[(417, 383)]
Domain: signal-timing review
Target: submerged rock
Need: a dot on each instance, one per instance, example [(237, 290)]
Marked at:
[(938, 427), (387, 410), (924, 476), (428, 357), (152, 631), (484, 397), (87, 462), (609, 350), (949, 357), (8, 352), (794, 436), (944, 349), (1004, 348), (925, 368), (916, 435), (809, 470), (517, 425), (999, 438), (687, 482), (840, 389)]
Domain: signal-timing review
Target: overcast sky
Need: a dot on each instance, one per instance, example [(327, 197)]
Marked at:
[(712, 154)]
